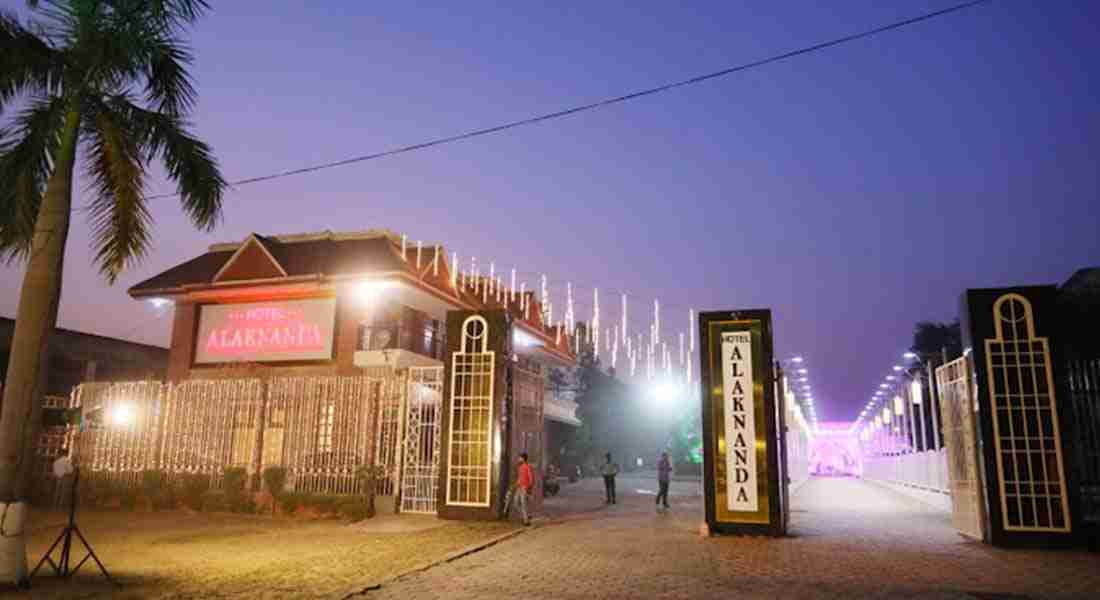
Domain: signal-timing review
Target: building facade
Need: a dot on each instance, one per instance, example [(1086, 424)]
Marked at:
[(343, 339)]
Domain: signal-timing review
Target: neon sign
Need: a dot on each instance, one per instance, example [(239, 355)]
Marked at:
[(266, 331)]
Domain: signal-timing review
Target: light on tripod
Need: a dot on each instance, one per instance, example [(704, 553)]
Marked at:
[(121, 415)]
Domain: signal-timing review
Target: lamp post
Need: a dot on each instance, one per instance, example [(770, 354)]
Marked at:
[(927, 364), (916, 393)]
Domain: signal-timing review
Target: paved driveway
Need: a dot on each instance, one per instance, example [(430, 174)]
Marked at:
[(849, 539)]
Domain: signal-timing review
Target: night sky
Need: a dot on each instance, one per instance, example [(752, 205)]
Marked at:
[(853, 191)]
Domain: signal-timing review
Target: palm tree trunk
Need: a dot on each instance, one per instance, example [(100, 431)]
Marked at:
[(21, 412)]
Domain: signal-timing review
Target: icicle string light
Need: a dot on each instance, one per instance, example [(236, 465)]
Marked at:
[(624, 319), (691, 330), (544, 302)]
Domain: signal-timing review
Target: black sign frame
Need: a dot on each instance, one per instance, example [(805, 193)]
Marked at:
[(769, 519)]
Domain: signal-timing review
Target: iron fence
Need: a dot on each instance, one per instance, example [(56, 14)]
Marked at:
[(1084, 387)]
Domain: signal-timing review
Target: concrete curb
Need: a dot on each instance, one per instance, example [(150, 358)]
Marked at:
[(468, 550)]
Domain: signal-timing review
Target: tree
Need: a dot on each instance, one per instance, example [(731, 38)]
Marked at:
[(108, 80), (934, 339)]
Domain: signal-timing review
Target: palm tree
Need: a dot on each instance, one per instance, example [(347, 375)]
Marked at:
[(105, 80)]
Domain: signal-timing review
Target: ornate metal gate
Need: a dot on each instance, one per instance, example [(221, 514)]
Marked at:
[(1084, 387), (956, 394), (420, 476)]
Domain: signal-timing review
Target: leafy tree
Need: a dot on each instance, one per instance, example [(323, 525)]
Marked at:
[(106, 80), (933, 339)]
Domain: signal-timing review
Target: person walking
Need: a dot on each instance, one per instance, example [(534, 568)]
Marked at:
[(610, 470), (664, 476), (521, 491)]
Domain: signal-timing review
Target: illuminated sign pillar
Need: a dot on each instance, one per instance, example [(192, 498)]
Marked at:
[(742, 447), (475, 424)]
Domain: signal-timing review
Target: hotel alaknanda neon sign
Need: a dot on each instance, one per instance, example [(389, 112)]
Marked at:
[(266, 331)]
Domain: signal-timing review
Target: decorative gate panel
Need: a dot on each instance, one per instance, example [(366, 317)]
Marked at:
[(420, 477), (1026, 436), (469, 461), (956, 400)]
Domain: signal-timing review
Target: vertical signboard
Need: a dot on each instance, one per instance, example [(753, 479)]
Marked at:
[(740, 429), (740, 422)]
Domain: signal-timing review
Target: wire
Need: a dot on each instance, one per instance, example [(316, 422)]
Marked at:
[(601, 103)]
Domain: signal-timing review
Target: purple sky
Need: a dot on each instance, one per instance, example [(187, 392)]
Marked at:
[(853, 191)]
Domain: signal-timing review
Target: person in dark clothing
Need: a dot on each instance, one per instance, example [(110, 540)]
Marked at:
[(664, 476), (610, 470)]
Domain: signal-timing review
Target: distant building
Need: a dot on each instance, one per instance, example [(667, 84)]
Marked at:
[(76, 357)]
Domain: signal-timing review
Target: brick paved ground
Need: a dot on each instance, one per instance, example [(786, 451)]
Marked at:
[(850, 539)]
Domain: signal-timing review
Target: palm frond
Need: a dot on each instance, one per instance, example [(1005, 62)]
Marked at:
[(188, 160), (176, 13), (116, 167), (26, 160), (168, 85), (27, 62)]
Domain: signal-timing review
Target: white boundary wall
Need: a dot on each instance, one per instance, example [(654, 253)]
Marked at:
[(919, 475)]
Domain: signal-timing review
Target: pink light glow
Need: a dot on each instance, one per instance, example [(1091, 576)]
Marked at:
[(835, 451)]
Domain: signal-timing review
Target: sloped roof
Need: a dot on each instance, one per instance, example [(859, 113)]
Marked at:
[(322, 255), (330, 254)]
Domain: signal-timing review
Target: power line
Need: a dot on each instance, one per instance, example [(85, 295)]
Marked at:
[(601, 103)]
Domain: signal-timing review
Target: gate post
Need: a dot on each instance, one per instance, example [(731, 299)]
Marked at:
[(1030, 498), (475, 416)]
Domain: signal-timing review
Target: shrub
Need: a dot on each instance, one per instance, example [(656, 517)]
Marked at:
[(152, 486), (215, 501), (103, 490), (193, 486), (370, 475), (326, 505), (87, 492), (166, 500), (275, 481), (290, 502), (353, 509), (127, 497), (233, 480)]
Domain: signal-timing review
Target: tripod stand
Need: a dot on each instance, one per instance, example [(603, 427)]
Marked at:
[(65, 539)]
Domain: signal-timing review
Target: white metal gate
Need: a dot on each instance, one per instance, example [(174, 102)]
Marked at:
[(956, 391), (420, 476)]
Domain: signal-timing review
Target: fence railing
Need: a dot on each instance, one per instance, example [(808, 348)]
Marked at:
[(1084, 387), (925, 471), (322, 429)]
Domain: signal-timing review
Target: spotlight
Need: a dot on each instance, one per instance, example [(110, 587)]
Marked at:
[(121, 415)]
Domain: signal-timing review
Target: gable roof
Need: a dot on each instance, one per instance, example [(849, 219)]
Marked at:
[(252, 260), (286, 256)]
